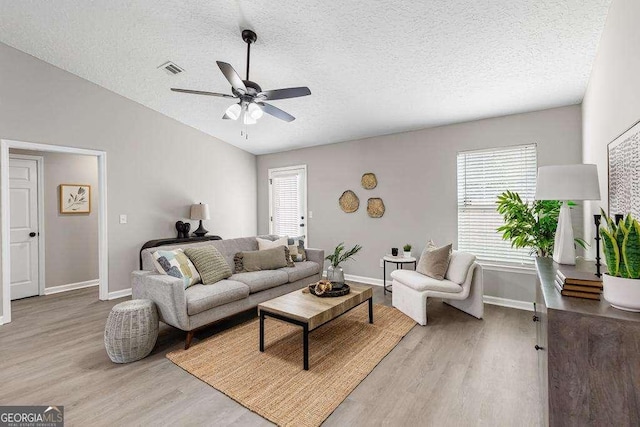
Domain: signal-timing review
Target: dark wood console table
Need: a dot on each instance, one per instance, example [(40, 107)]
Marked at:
[(588, 358), (173, 241)]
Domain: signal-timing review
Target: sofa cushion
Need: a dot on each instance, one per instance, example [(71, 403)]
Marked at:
[(260, 280), (210, 264), (459, 266), (268, 244), (420, 282), (434, 261), (176, 264), (204, 297), (301, 270)]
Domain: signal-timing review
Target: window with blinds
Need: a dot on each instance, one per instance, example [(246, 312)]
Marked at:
[(287, 187), (482, 176)]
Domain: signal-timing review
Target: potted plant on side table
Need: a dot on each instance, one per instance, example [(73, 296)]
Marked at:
[(335, 274), (621, 245), (407, 250)]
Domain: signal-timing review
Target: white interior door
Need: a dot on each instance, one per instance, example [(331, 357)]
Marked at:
[(288, 201), (23, 194)]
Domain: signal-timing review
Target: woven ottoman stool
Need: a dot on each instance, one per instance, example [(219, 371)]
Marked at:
[(131, 331)]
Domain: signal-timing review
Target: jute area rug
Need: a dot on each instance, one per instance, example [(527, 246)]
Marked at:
[(274, 385)]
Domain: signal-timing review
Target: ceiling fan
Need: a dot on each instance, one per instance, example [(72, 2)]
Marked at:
[(251, 98)]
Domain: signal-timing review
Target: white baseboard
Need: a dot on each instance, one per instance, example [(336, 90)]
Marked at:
[(70, 287), (510, 303), (1, 320), (359, 279), (120, 294), (488, 299)]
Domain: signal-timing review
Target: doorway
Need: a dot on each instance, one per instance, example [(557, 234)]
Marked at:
[(288, 201), (11, 263)]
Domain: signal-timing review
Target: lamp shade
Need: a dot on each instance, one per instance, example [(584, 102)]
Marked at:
[(200, 211), (568, 182)]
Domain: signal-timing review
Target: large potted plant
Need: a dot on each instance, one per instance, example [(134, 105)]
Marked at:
[(621, 245), (335, 274), (532, 225)]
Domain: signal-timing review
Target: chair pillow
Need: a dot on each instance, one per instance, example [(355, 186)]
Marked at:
[(434, 261), (210, 264), (459, 266), (268, 259), (175, 263), (282, 241)]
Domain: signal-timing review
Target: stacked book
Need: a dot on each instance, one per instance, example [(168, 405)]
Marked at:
[(578, 282)]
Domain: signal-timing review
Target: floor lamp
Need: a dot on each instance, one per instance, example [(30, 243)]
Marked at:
[(564, 183)]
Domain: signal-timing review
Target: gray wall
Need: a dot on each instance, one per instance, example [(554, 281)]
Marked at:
[(612, 101), (157, 167), (71, 241), (417, 180)]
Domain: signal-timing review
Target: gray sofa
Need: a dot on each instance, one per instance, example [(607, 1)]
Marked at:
[(200, 305)]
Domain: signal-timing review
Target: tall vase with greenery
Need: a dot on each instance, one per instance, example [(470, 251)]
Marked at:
[(530, 225), (335, 274), (621, 245)]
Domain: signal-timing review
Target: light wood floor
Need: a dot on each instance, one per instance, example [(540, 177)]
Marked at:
[(456, 371)]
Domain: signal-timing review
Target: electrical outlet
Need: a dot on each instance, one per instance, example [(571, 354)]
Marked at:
[(123, 219), (310, 214), (381, 263)]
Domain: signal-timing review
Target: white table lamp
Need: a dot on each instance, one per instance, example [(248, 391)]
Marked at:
[(200, 211), (564, 183)]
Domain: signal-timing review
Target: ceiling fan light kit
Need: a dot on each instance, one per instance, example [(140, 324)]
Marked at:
[(251, 106)]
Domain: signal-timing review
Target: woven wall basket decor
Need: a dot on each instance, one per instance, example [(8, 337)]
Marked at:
[(349, 202), (375, 207), (369, 181)]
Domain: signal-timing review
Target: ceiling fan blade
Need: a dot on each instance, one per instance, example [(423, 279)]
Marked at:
[(292, 92), (201, 92), (232, 76), (276, 112)]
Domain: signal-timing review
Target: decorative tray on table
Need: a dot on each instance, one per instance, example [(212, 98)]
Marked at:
[(322, 292)]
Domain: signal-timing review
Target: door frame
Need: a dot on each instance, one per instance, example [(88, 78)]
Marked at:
[(40, 196), (305, 208), (103, 247)]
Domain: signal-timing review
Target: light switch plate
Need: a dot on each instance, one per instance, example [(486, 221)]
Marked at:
[(310, 214), (123, 219)]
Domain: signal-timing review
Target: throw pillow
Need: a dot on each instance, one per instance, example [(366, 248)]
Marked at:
[(238, 260), (210, 264), (434, 261), (268, 244), (298, 243), (268, 259), (282, 241), (175, 263)]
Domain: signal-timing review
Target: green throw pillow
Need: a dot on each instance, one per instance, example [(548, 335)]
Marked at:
[(210, 264)]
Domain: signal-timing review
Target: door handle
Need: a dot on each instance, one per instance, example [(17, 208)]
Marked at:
[(537, 347), (301, 225), (32, 234)]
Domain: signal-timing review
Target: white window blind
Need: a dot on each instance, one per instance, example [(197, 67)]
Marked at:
[(482, 176), (286, 193)]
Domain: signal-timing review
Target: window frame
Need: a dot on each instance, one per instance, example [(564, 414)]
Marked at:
[(493, 264)]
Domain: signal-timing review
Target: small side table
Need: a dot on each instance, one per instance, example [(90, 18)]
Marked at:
[(399, 261)]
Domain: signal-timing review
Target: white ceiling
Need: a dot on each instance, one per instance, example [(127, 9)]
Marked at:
[(373, 67)]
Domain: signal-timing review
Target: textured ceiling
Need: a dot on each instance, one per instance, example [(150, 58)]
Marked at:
[(373, 67)]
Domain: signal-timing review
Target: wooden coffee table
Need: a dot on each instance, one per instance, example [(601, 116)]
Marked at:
[(311, 312)]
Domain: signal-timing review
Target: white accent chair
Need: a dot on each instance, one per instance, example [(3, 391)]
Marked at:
[(461, 288)]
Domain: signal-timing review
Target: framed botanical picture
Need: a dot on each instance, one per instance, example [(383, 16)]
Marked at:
[(75, 199), (624, 173)]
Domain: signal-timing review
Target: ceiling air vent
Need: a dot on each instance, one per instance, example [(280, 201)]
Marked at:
[(171, 68)]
